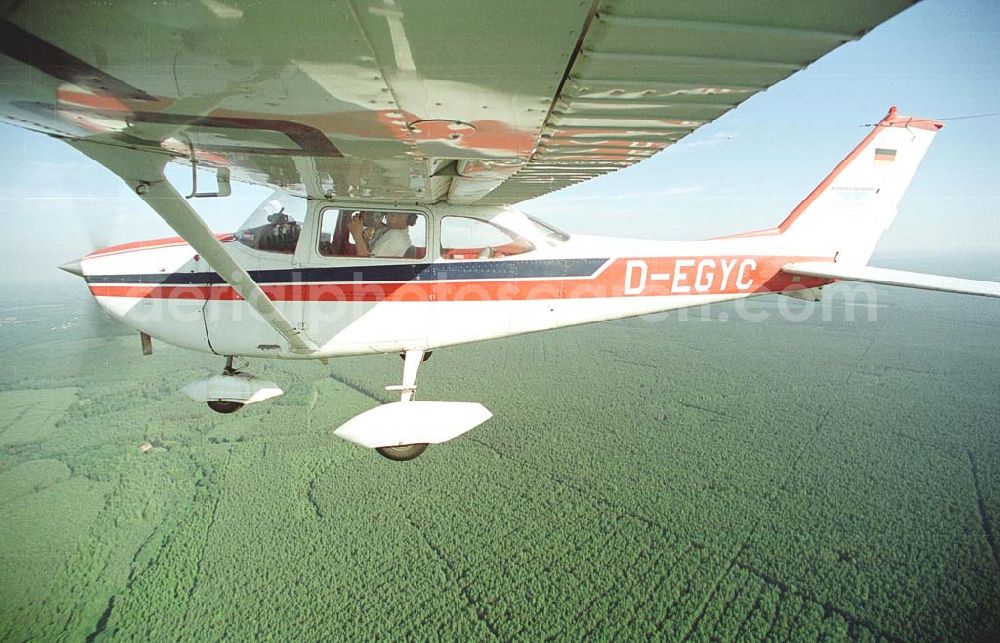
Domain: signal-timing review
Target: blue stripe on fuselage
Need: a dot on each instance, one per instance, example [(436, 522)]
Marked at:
[(452, 271)]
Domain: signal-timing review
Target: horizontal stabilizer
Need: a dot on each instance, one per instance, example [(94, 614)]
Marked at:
[(400, 423), (805, 294), (888, 277)]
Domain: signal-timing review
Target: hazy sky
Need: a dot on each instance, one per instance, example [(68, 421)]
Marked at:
[(939, 59)]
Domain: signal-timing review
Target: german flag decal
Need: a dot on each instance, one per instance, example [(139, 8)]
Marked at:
[(885, 155)]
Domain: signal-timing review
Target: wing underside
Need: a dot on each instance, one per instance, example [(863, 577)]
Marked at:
[(401, 100)]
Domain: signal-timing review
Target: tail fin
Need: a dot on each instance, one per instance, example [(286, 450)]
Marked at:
[(848, 212)]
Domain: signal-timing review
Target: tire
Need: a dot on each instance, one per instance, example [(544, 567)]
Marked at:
[(402, 453), (223, 406)]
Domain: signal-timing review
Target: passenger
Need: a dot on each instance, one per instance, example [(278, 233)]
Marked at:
[(389, 240)]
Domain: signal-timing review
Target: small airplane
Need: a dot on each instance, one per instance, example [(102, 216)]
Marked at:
[(406, 240)]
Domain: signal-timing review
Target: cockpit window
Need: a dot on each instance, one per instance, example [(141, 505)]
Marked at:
[(275, 226), (553, 235), (468, 238)]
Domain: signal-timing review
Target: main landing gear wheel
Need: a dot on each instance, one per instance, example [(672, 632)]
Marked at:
[(223, 406), (411, 362), (403, 452)]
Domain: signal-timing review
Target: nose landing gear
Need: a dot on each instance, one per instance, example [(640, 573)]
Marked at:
[(232, 390)]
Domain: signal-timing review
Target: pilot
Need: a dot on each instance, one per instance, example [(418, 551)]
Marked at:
[(391, 240)]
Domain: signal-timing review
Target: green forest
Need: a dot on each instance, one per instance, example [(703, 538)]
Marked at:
[(684, 476)]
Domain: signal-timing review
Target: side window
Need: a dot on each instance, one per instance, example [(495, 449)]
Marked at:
[(468, 238), (372, 233)]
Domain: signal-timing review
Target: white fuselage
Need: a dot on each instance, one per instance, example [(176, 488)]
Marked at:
[(358, 305)]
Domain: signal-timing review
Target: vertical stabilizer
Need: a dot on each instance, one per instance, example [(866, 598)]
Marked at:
[(848, 212)]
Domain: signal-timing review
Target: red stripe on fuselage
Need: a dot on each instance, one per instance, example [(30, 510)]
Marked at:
[(149, 244), (639, 277)]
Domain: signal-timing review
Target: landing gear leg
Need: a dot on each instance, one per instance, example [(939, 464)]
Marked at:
[(411, 363)]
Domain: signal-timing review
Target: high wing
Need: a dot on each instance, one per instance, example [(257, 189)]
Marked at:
[(402, 100)]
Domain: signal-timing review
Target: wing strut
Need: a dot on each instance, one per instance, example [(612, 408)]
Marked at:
[(143, 172)]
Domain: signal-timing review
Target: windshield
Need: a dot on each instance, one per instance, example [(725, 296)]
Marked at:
[(275, 224), (553, 235)]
